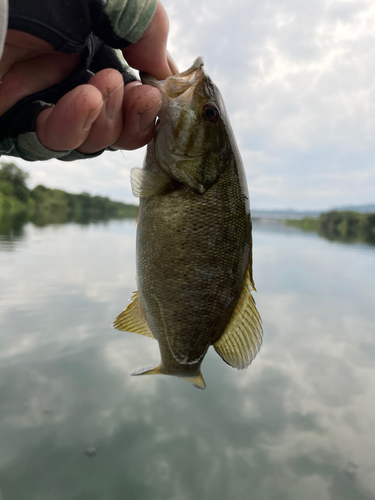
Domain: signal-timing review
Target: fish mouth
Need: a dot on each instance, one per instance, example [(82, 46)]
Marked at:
[(177, 85)]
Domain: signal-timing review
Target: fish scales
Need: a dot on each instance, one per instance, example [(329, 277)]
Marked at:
[(194, 246)]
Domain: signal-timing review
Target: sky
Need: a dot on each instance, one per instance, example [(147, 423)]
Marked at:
[(298, 81)]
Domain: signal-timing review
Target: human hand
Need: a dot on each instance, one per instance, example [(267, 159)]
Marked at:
[(102, 113)]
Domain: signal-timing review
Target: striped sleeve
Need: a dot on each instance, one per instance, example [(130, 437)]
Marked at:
[(3, 23)]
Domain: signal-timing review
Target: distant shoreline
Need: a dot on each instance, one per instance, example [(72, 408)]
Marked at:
[(346, 226), (41, 205)]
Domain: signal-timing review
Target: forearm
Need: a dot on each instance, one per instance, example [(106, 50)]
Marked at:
[(68, 24)]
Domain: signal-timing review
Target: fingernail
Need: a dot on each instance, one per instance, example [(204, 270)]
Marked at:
[(148, 116), (113, 102), (91, 116), (130, 85)]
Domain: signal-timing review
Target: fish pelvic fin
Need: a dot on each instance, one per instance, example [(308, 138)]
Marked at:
[(145, 183), (197, 381), (243, 335), (132, 319)]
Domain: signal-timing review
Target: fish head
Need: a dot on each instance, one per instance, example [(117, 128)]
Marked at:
[(192, 137)]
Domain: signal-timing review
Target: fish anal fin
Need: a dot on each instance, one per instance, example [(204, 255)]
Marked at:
[(145, 183), (243, 335), (250, 268), (132, 320), (250, 276), (252, 284)]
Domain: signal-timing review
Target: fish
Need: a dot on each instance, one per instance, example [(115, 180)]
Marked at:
[(194, 235)]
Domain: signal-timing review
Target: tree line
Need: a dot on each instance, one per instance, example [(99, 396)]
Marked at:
[(347, 226), (43, 205)]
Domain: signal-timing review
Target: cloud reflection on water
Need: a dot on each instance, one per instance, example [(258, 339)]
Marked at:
[(297, 424)]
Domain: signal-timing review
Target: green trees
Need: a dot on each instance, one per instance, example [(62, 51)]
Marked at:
[(43, 205), (14, 193), (347, 226), (13, 177)]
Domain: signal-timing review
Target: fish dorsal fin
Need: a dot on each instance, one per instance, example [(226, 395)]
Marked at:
[(242, 337), (132, 320), (146, 183)]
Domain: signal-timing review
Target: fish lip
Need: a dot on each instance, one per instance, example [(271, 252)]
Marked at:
[(198, 63), (186, 79), (147, 79)]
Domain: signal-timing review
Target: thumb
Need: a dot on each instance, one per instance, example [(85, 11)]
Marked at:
[(149, 54)]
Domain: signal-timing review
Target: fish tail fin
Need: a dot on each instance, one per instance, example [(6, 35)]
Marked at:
[(148, 371), (197, 381)]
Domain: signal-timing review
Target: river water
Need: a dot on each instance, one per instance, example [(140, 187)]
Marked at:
[(298, 424)]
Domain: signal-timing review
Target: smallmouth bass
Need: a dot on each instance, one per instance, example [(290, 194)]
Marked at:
[(194, 244)]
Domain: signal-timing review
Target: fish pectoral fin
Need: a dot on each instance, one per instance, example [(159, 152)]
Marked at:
[(197, 381), (145, 183), (132, 320), (242, 337)]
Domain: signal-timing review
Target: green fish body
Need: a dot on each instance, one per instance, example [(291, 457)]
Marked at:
[(194, 245)]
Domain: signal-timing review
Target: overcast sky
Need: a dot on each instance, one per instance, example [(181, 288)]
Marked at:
[(298, 80)]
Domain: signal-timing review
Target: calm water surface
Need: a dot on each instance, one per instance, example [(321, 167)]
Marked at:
[(297, 425)]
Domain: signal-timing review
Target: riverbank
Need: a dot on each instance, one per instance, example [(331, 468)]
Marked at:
[(347, 226), (42, 205)]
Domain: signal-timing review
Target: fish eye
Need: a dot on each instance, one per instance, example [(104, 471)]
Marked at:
[(211, 113)]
